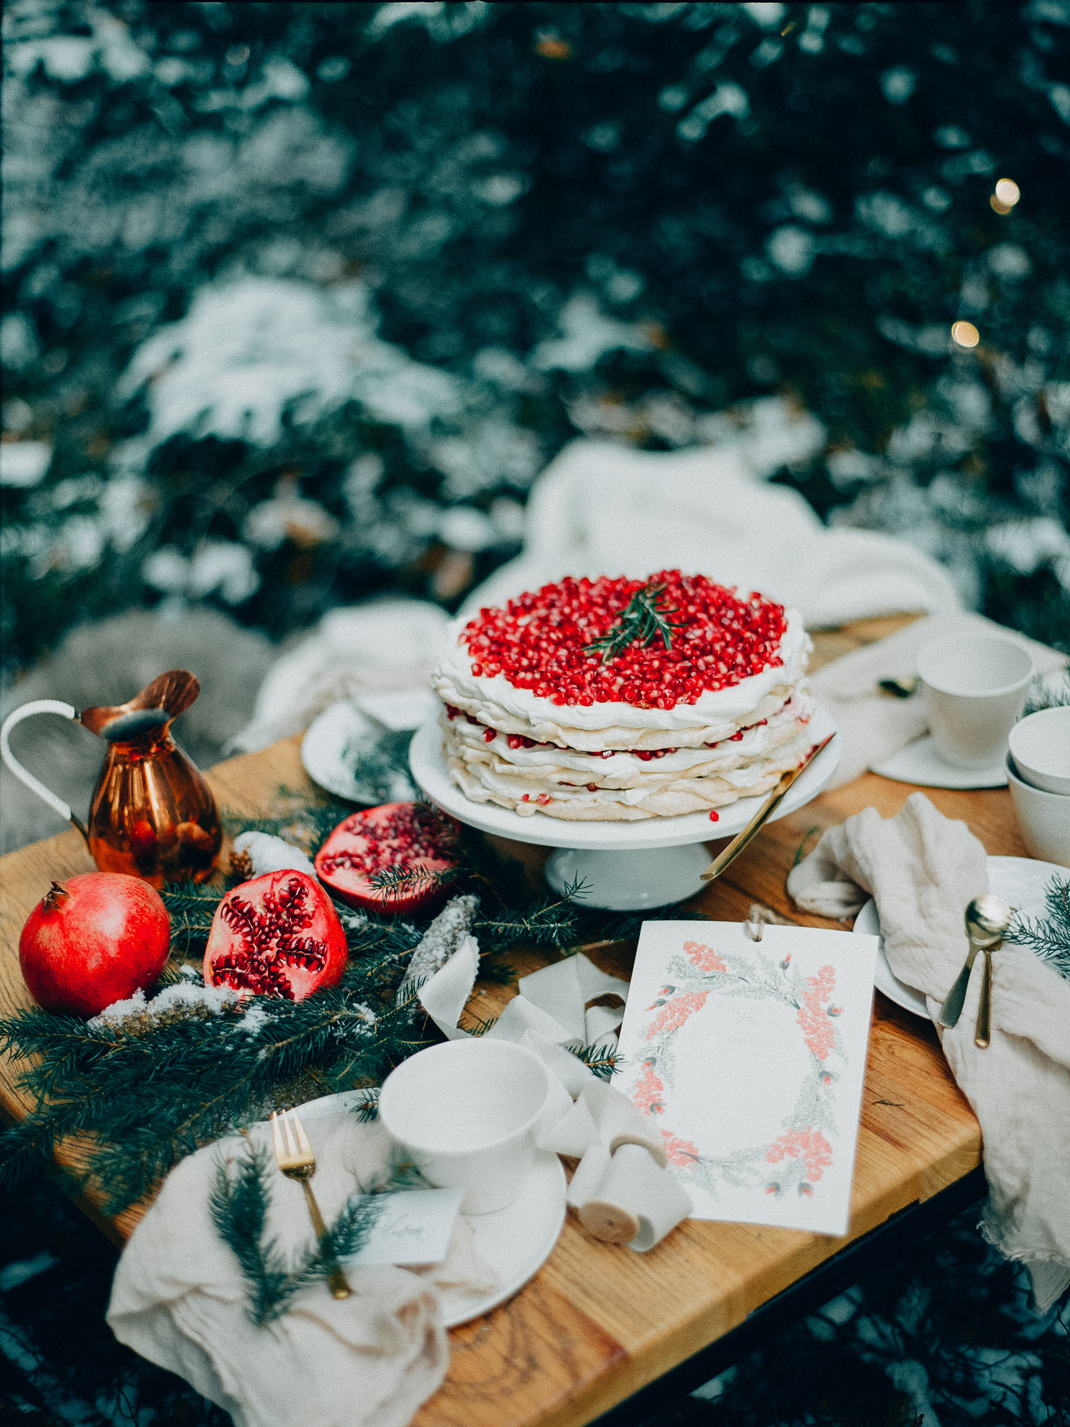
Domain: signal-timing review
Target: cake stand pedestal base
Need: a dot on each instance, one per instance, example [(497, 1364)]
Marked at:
[(627, 881)]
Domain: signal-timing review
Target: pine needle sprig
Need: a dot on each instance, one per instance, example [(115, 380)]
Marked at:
[(603, 1060), (366, 1108), (381, 769), (239, 1201), (1050, 939), (644, 620), (546, 922), (400, 881)]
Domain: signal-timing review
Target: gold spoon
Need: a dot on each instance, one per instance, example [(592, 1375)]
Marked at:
[(987, 918)]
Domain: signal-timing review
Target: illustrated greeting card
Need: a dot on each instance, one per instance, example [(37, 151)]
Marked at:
[(750, 1056)]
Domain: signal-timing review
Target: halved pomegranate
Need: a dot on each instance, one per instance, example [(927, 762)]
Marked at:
[(406, 845), (277, 935)]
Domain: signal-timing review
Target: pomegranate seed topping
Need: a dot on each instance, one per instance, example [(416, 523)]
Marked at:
[(490, 735), (715, 816), (539, 642)]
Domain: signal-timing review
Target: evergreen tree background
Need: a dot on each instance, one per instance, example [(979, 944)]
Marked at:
[(412, 249)]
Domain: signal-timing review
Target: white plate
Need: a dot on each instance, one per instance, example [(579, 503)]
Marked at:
[(1020, 881), (920, 763), (429, 770), (323, 754), (515, 1241)]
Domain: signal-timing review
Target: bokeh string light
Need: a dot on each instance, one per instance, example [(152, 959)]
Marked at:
[(965, 334), (1006, 195)]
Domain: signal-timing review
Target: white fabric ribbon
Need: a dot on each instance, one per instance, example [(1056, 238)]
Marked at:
[(621, 1190)]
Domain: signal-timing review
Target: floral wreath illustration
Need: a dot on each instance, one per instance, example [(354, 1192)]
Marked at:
[(798, 1158)]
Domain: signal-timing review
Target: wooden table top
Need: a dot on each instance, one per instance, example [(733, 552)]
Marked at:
[(599, 1321)]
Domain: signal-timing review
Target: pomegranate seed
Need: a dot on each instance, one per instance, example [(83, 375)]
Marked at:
[(715, 816)]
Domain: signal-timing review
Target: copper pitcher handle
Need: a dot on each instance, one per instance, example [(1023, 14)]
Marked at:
[(39, 706)]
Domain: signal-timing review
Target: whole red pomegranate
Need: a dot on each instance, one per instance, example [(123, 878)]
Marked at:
[(412, 838), (277, 935), (92, 940)]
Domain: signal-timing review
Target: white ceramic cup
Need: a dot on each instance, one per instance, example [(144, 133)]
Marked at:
[(1040, 747), (974, 687), (1044, 819), (466, 1112)]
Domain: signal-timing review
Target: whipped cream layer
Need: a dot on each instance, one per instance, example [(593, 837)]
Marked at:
[(644, 791), (714, 716)]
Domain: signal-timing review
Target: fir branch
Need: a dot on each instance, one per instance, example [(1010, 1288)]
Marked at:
[(643, 621), (190, 909), (495, 972), (603, 1060), (1048, 692), (377, 769), (1049, 940), (239, 1201), (366, 1108), (547, 922), (399, 881)]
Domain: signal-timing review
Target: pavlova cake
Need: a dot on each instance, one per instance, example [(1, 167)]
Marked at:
[(625, 699)]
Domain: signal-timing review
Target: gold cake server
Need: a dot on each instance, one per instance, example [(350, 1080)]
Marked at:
[(744, 838)]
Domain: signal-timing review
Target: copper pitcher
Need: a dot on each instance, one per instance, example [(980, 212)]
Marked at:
[(151, 815)]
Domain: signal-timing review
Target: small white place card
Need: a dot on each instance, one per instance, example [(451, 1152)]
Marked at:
[(414, 1227), (749, 1057)]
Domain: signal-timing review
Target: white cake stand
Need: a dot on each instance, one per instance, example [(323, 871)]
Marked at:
[(625, 866)]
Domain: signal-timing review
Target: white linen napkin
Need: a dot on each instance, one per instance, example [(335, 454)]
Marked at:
[(179, 1299), (922, 869), (385, 646), (873, 725), (605, 509)]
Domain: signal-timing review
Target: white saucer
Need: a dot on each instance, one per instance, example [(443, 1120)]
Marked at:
[(1020, 881), (323, 755), (429, 769), (515, 1241), (920, 763)]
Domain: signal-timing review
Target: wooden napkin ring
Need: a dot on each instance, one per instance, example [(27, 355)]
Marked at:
[(609, 1222)]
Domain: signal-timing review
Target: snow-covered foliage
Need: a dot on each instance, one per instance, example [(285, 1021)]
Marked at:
[(299, 299)]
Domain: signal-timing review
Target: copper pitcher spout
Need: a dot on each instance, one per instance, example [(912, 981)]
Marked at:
[(158, 703)]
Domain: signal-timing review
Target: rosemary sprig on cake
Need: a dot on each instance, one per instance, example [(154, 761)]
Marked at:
[(642, 621)]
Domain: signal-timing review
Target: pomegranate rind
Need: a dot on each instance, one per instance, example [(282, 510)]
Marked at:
[(276, 935), (369, 837), (107, 938)]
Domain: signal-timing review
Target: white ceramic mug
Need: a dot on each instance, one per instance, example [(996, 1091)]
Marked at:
[(466, 1112), (1040, 747), (974, 687), (1044, 819)]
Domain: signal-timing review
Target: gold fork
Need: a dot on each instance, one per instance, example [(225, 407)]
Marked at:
[(294, 1156)]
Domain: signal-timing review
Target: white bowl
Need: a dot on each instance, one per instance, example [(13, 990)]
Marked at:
[(1044, 819), (1040, 747)]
